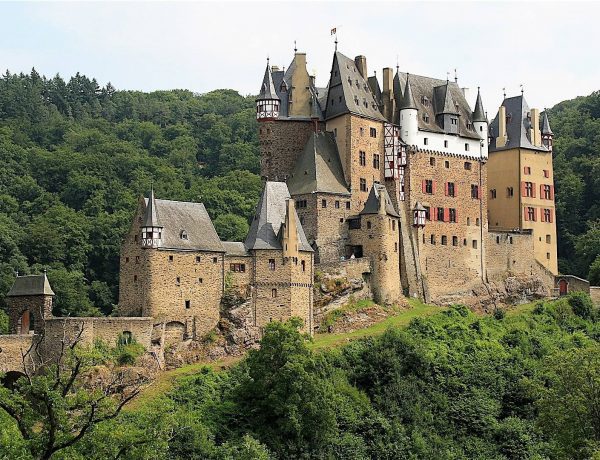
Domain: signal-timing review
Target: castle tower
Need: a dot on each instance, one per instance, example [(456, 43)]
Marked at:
[(409, 123), (29, 304), (151, 229), (267, 102), (480, 122), (520, 177)]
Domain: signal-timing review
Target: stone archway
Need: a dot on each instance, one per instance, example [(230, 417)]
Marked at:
[(174, 333)]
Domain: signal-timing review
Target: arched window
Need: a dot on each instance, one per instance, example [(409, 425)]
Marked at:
[(273, 293), (183, 235), (125, 338)]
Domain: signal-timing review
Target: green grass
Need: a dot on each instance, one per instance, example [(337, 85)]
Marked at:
[(418, 309)]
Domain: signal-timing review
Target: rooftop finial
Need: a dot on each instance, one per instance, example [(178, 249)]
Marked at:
[(447, 77), (522, 89), (504, 92), (455, 76), (295, 47), (397, 64), (268, 59)]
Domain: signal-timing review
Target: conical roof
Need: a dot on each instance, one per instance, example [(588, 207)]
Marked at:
[(151, 214), (546, 124), (372, 203), (479, 113), (397, 89), (407, 101), (267, 90)]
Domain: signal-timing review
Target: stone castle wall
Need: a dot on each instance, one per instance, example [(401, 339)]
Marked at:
[(595, 294), (240, 281), (349, 268), (39, 307), (12, 349)]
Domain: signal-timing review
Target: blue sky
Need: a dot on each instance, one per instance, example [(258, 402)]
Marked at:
[(550, 48)]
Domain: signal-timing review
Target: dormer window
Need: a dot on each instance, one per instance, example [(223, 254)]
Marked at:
[(425, 101), (469, 125), (426, 118), (183, 235)]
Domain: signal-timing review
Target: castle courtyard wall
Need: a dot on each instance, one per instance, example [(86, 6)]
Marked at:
[(12, 349)]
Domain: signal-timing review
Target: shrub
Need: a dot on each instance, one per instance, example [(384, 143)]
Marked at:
[(3, 322), (539, 308), (582, 304), (499, 313), (127, 350)]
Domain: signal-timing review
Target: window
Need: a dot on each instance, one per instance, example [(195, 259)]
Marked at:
[(178, 281), (300, 204), (548, 239), (303, 265), (347, 205), (363, 185), (450, 189), (546, 173), (368, 224), (474, 191), (425, 141), (510, 192), (440, 214), (432, 161), (530, 213), (187, 304), (170, 258), (447, 164), (334, 132), (466, 147), (197, 259), (454, 121), (529, 189), (493, 194), (474, 244), (215, 260), (469, 125), (237, 268), (137, 259), (432, 239), (547, 255), (468, 221), (547, 190), (464, 242), (362, 130), (455, 241), (362, 158), (376, 161), (446, 144), (200, 280), (527, 170), (477, 222), (323, 203), (429, 186), (183, 235), (135, 238), (134, 278), (426, 118), (497, 240), (444, 240), (337, 204), (272, 264), (126, 259), (393, 225), (468, 165), (372, 132), (547, 215), (273, 293), (395, 247), (452, 214)]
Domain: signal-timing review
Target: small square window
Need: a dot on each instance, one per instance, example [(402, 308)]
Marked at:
[(170, 258), (548, 255), (197, 259), (425, 141), (432, 161), (215, 260), (323, 203), (126, 259), (548, 239), (468, 165), (444, 240), (337, 205), (474, 244), (466, 147), (446, 144), (200, 280), (347, 205), (187, 304), (447, 164)]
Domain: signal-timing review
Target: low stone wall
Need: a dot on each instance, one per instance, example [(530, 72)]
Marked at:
[(100, 328), (595, 294), (12, 348), (349, 268), (574, 283)]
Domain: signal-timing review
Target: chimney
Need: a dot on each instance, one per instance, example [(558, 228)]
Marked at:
[(290, 231), (388, 93), (501, 139), (275, 68), (361, 65), (381, 209), (535, 133)]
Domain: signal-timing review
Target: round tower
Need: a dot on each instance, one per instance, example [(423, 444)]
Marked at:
[(409, 122), (480, 123), (151, 228)]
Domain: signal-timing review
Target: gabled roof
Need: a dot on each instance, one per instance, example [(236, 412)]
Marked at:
[(372, 204), (267, 89), (518, 124), (235, 248), (479, 113), (318, 169), (270, 215), (349, 92), (150, 214), (191, 219), (545, 128), (442, 98), (423, 90), (30, 285)]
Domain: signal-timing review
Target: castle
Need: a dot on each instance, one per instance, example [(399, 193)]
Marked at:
[(405, 177)]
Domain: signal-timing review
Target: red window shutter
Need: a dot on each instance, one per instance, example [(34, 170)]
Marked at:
[(423, 185), (523, 189), (542, 191), (433, 186), (446, 188), (552, 215), (446, 214), (433, 214), (525, 213), (534, 214), (533, 189), (552, 192), (524, 169)]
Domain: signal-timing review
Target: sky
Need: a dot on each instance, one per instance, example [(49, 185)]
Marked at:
[(550, 48)]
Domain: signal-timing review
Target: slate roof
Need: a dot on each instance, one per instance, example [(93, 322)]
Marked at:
[(270, 214), (150, 214), (545, 128), (479, 113), (376, 90), (178, 216), (424, 87), (30, 285), (235, 248), (349, 92), (267, 89), (442, 100), (318, 168), (518, 125), (407, 101), (372, 204)]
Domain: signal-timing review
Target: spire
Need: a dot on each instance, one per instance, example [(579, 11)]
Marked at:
[(150, 215), (407, 101), (449, 106), (267, 90), (479, 113), (546, 124)]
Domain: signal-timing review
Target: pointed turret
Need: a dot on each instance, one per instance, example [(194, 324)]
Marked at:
[(151, 228), (547, 134), (479, 113), (407, 101), (267, 102), (409, 123)]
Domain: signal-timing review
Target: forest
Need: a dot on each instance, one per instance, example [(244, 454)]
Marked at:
[(76, 157), (455, 385)]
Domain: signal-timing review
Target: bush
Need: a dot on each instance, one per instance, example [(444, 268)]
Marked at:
[(582, 304), (499, 313), (3, 322), (539, 308), (127, 350)]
